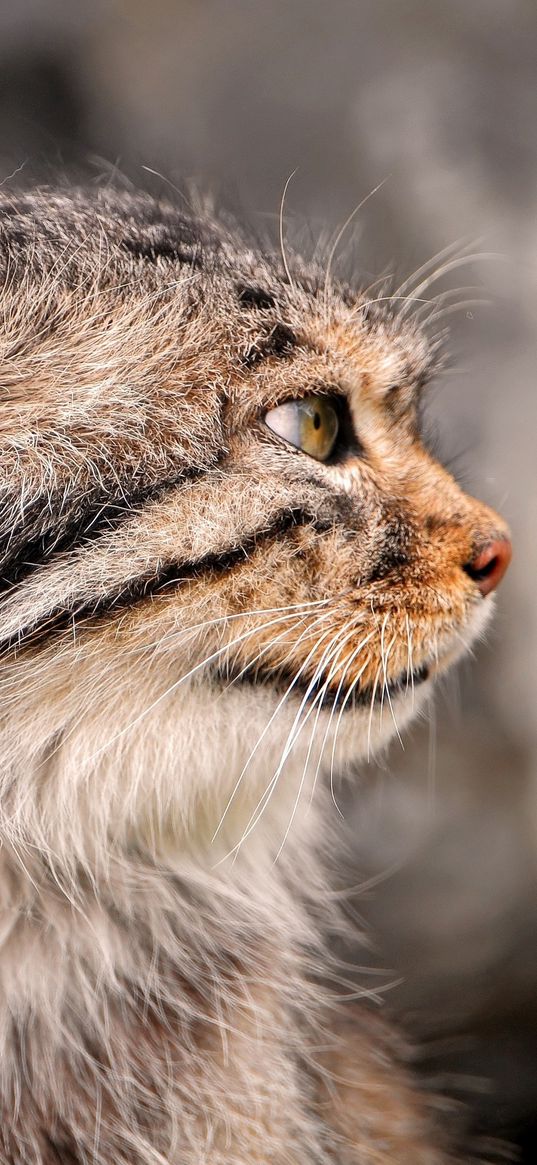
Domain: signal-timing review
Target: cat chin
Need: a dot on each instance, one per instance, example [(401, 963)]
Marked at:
[(197, 769), (257, 769)]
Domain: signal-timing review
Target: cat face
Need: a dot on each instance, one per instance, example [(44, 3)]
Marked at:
[(221, 532)]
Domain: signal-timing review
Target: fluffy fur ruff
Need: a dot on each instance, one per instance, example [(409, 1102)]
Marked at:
[(197, 623)]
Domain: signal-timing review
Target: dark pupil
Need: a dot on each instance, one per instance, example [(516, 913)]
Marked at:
[(316, 421)]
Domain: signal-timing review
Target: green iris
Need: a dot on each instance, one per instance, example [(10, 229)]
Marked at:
[(311, 425)]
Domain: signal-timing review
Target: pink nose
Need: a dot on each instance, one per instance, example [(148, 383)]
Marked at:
[(489, 566)]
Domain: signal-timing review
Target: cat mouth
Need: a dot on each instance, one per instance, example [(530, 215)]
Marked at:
[(370, 694), (329, 695)]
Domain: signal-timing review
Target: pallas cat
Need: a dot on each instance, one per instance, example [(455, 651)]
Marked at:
[(229, 570)]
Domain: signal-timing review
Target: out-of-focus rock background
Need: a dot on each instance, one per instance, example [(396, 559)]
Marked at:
[(438, 101)]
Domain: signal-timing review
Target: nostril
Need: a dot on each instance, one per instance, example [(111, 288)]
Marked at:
[(489, 566)]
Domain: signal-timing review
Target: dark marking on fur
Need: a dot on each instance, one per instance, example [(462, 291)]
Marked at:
[(88, 517), (397, 550), (255, 297), (336, 693), (172, 575), (154, 249), (279, 342), (58, 1152)]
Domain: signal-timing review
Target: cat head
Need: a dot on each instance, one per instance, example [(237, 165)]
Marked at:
[(228, 560)]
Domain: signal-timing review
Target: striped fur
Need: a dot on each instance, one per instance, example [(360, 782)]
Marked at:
[(198, 623)]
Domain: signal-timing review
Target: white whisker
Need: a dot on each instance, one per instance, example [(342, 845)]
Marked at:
[(271, 721), (294, 732), (431, 762), (459, 249), (410, 659), (461, 305), (282, 239), (371, 707), (182, 679), (445, 269), (319, 699), (347, 698), (348, 663), (341, 232)]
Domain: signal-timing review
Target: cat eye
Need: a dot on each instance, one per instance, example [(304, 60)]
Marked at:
[(311, 425)]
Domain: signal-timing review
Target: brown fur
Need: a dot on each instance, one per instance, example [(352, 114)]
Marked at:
[(170, 570)]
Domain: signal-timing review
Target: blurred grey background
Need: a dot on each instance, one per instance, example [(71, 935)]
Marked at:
[(437, 101)]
